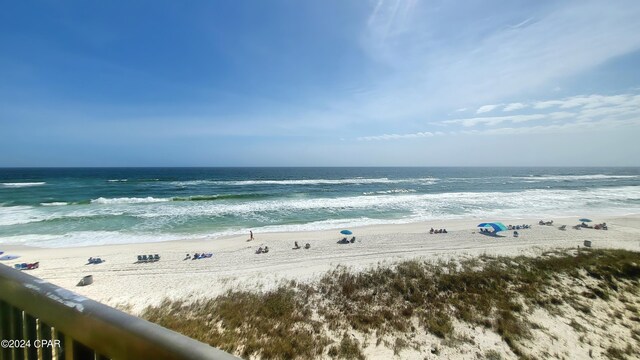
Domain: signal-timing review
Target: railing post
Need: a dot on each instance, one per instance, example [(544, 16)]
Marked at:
[(55, 351), (12, 331), (68, 347), (25, 335), (39, 337)]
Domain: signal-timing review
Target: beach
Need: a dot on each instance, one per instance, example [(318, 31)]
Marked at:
[(131, 286)]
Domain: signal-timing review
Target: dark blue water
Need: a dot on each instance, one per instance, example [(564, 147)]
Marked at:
[(67, 207)]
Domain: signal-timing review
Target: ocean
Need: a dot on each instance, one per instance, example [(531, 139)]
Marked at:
[(60, 207)]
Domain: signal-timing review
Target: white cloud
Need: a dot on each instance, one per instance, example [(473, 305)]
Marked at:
[(571, 127), (514, 106), (588, 113), (494, 120), (546, 104), (432, 52), (486, 108), (399, 136), (589, 101)]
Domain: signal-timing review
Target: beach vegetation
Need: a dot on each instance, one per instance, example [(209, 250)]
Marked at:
[(336, 315), (619, 353), (492, 355)]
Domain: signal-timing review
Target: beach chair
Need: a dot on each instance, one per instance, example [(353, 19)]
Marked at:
[(353, 239), (86, 280), (563, 227), (144, 258), (307, 246), (266, 249), (156, 257), (259, 251)]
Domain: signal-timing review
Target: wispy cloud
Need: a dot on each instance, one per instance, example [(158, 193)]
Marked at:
[(494, 120), (514, 106), (588, 113), (399, 136), (484, 61), (486, 108), (589, 101)]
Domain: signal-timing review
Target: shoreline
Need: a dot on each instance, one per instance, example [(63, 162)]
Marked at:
[(379, 229), (123, 283)]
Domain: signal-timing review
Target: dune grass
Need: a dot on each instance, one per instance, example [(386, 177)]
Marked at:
[(312, 320)]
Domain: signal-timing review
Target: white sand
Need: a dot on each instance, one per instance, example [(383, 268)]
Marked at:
[(120, 281)]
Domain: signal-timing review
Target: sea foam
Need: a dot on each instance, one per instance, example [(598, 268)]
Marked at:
[(574, 177), (55, 203), (23, 184), (128, 200), (354, 181)]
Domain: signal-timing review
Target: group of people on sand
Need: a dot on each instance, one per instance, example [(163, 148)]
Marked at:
[(602, 226), (95, 261), (439, 231), (518, 227), (198, 256), (545, 222), (262, 250), (296, 246)]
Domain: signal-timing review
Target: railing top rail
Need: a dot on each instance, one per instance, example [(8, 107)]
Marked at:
[(108, 331)]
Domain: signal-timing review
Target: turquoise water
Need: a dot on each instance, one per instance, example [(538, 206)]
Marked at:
[(71, 207)]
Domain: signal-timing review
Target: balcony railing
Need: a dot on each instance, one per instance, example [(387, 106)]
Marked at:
[(39, 320)]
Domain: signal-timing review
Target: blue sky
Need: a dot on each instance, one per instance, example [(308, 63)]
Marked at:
[(323, 83)]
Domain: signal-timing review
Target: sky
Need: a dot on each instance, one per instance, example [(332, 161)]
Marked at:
[(320, 83)]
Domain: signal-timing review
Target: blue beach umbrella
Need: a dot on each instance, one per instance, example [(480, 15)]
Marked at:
[(584, 220), (497, 226), (346, 232)]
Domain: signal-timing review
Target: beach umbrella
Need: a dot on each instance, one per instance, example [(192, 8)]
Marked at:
[(346, 232), (584, 220), (497, 226)]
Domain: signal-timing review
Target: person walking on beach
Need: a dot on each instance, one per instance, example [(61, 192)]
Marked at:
[(250, 235)]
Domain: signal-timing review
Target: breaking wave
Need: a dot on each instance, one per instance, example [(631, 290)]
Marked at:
[(23, 184)]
